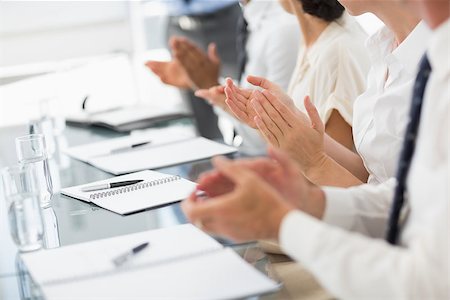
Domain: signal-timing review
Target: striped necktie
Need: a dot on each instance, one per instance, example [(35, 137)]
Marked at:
[(407, 153), (241, 41)]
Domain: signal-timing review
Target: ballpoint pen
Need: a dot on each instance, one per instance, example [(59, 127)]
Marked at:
[(111, 185), (128, 148), (121, 259)]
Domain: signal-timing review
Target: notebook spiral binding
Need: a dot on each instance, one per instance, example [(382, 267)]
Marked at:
[(135, 187)]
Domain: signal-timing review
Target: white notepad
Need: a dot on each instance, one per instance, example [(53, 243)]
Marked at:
[(157, 189), (159, 156), (181, 262)]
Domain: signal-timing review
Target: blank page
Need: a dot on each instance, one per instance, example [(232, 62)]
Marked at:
[(221, 274), (82, 260), (160, 156)]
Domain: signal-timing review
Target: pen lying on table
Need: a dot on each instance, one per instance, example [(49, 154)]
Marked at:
[(121, 259), (109, 185)]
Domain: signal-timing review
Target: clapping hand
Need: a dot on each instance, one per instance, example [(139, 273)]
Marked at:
[(289, 129), (202, 68), (238, 99), (170, 72)]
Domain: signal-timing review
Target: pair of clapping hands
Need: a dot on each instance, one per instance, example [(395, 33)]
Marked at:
[(190, 68), (266, 108), (247, 199)]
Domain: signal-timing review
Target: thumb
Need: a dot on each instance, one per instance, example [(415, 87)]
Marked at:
[(263, 83), (316, 122), (212, 53), (235, 173)]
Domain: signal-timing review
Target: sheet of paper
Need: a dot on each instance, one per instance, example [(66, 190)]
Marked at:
[(220, 274), (131, 114), (160, 156), (82, 260), (155, 136), (123, 202)]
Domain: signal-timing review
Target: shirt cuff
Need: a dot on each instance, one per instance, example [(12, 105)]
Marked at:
[(297, 230), (339, 208)]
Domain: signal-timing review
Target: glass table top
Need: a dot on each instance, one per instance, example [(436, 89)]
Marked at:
[(69, 221)]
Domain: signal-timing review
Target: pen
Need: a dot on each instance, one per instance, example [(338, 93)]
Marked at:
[(121, 259), (111, 185), (124, 149)]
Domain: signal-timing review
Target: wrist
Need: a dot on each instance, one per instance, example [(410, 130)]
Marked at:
[(277, 217), (315, 202), (315, 170)]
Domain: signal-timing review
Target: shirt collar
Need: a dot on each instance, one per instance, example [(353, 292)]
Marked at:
[(412, 48), (439, 49), (380, 44), (333, 29)]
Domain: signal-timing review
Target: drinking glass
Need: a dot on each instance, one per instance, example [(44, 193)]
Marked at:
[(20, 187), (31, 150), (44, 126)]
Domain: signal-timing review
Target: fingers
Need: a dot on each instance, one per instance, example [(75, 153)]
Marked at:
[(236, 174), (263, 83), (245, 93), (269, 115), (187, 53), (287, 114), (212, 53), (203, 211), (313, 114), (156, 67), (266, 133), (203, 93)]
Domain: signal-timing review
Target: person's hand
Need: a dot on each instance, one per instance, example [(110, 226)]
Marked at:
[(238, 99), (238, 102), (214, 95), (202, 68), (171, 72), (290, 130), (251, 210), (278, 170)]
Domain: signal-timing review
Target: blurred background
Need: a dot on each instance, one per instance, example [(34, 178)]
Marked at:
[(55, 53)]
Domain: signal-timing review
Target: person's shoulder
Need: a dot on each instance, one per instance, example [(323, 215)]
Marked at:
[(345, 44)]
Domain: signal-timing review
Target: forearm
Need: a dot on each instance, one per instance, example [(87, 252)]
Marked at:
[(327, 172), (347, 159)]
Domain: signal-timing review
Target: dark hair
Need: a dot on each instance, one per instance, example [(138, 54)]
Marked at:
[(328, 10)]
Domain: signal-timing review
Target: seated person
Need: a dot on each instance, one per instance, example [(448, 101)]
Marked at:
[(380, 113), (335, 232), (269, 30)]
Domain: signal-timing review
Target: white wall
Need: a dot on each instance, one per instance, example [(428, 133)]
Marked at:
[(36, 31)]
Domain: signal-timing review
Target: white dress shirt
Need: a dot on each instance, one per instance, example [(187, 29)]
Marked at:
[(272, 47), (380, 114), (333, 70), (359, 264)]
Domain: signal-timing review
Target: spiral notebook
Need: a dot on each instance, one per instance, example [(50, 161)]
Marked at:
[(156, 189)]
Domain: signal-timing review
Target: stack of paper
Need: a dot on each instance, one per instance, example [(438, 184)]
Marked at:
[(152, 156), (181, 262)]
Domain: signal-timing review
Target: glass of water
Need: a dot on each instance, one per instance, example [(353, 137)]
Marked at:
[(31, 150), (22, 202)]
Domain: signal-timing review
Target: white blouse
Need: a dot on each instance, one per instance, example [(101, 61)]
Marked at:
[(333, 70), (381, 113)]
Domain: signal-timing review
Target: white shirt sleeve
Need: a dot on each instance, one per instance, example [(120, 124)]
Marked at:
[(350, 82), (365, 211), (353, 266)]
